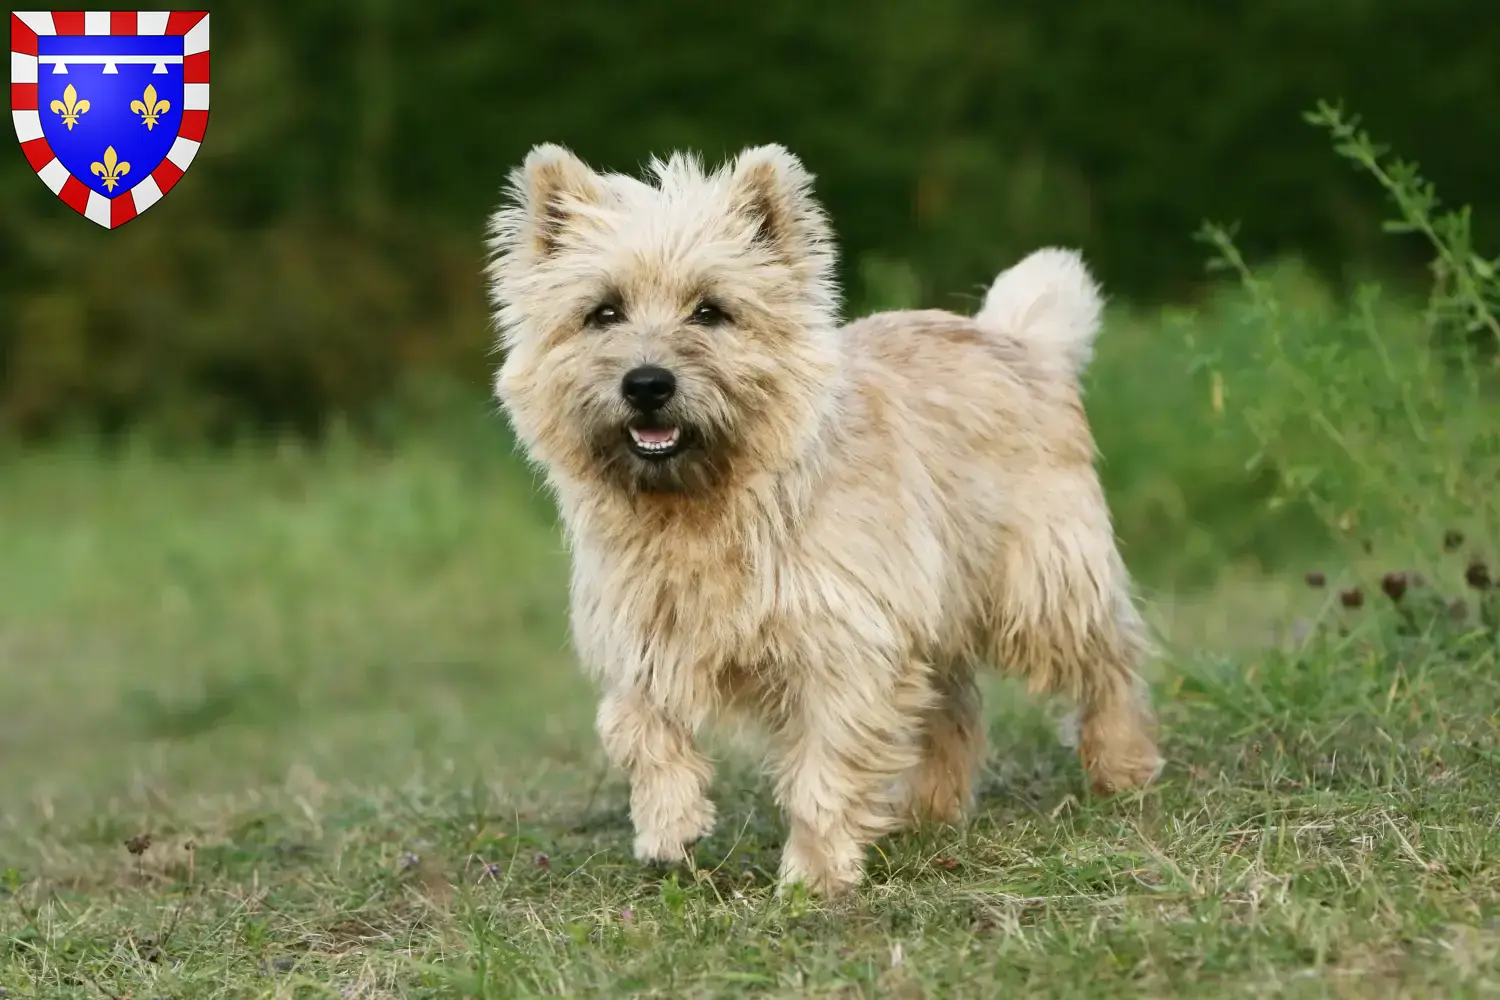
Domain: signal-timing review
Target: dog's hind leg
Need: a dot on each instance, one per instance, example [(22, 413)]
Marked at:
[(941, 788), (1067, 624), (1116, 741)]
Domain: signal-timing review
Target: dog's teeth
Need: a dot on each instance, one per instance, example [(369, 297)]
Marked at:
[(655, 443)]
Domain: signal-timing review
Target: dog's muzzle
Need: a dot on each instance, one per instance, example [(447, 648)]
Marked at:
[(648, 389)]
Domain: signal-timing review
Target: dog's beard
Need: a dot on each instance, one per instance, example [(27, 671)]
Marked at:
[(663, 453)]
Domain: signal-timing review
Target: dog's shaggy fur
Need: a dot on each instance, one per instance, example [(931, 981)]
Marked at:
[(851, 519)]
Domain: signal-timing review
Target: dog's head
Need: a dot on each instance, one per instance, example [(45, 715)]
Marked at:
[(665, 335)]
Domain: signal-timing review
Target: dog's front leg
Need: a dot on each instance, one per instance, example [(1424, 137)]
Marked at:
[(669, 806), (849, 738)]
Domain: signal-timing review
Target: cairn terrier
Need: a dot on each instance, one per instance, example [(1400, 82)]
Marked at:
[(826, 527)]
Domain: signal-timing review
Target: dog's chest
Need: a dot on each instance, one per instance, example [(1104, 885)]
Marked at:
[(693, 623), (658, 611)]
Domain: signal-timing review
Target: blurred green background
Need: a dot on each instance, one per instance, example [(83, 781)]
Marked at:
[(323, 256)]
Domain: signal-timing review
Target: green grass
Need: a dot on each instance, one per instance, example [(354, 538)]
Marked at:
[(333, 688)]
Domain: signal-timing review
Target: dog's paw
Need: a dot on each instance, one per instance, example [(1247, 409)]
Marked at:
[(668, 842), (935, 799), (820, 872), (1117, 776)]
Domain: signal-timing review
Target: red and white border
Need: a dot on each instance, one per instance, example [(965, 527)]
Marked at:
[(25, 26)]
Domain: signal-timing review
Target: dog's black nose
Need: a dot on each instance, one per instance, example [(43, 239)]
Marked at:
[(648, 387)]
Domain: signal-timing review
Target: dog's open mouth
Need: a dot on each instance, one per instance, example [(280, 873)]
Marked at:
[(655, 442)]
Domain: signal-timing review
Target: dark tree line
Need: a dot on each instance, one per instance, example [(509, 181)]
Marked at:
[(326, 243)]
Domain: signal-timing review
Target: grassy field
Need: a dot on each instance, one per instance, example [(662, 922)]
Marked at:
[(333, 689)]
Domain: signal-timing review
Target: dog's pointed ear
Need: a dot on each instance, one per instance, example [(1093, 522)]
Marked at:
[(548, 190), (773, 191)]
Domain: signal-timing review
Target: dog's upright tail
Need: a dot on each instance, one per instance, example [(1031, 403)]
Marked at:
[(1050, 303)]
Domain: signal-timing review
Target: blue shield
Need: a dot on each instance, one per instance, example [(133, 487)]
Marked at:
[(110, 105)]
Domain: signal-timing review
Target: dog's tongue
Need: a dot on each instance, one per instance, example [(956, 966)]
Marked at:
[(652, 435)]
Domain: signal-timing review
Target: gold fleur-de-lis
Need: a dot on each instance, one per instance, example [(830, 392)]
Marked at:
[(111, 170), (70, 107), (150, 109)]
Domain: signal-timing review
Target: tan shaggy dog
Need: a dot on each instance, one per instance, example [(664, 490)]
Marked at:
[(826, 528)]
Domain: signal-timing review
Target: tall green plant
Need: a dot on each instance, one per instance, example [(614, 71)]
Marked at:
[(1384, 420)]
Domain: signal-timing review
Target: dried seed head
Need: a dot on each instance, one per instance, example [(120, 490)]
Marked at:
[(542, 861), (138, 844), (1316, 579), (1394, 585), (1453, 540), (1352, 598), (1478, 575)]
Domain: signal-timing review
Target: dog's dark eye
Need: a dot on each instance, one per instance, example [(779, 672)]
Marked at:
[(605, 315), (708, 314)]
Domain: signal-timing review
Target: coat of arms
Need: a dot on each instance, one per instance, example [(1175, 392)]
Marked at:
[(110, 106)]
